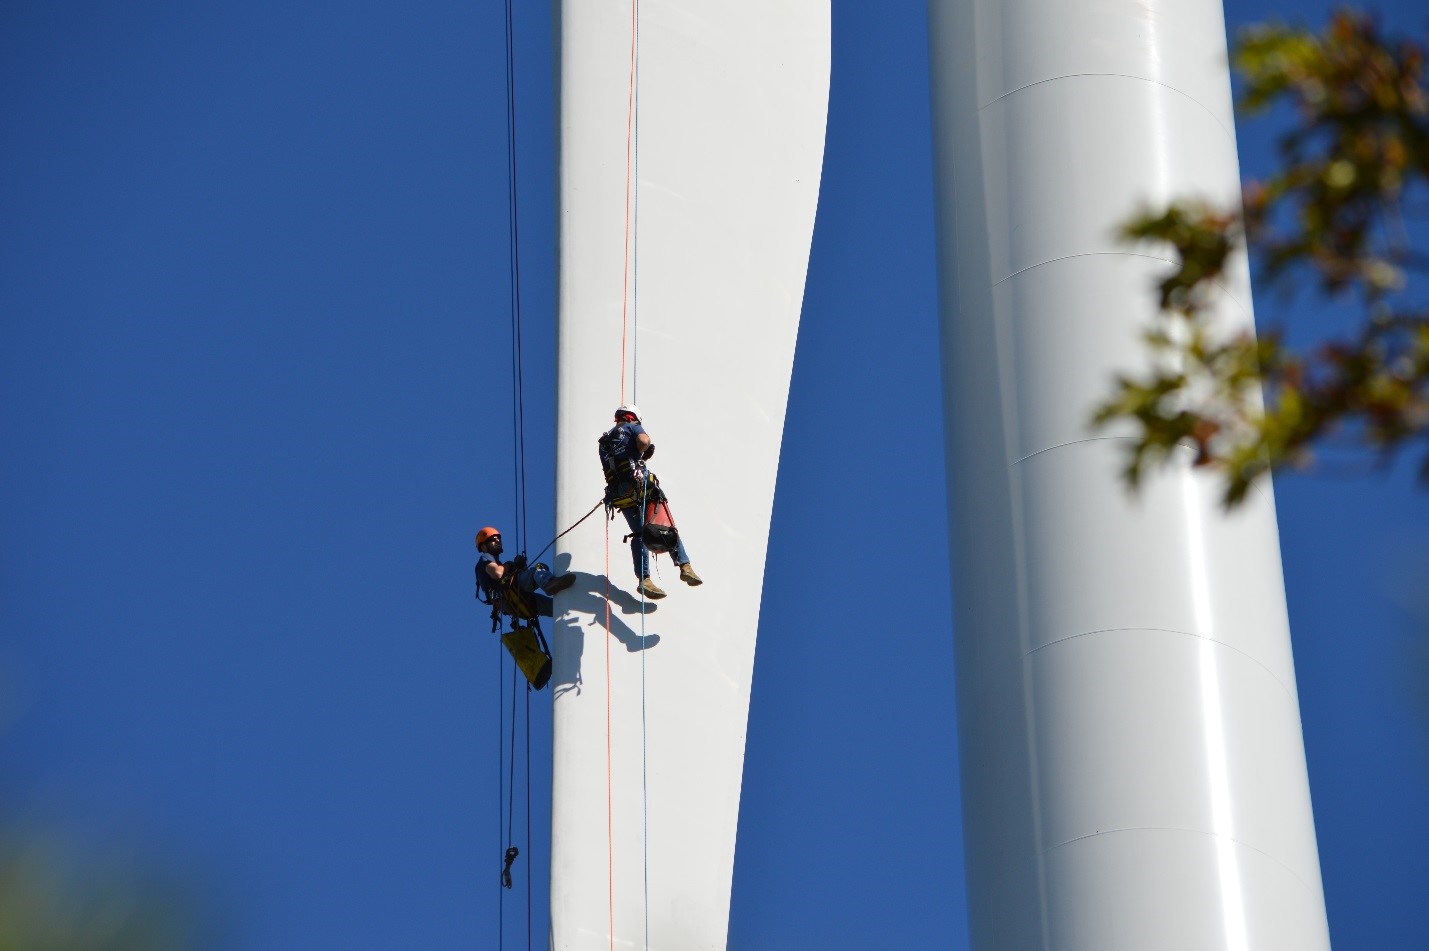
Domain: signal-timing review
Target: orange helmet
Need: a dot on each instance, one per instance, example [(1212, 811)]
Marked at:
[(485, 535)]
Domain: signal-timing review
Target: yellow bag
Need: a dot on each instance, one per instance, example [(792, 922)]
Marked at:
[(529, 652)]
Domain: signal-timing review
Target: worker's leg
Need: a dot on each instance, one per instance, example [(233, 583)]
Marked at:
[(539, 577), (687, 570), (527, 580), (636, 521)]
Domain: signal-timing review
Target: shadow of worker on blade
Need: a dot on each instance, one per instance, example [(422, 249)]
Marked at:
[(581, 610)]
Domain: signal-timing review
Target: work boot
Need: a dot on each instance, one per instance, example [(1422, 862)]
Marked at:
[(688, 576), (651, 590), (559, 583)]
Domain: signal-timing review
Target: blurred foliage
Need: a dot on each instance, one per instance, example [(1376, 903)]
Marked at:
[(1333, 216), (52, 901)]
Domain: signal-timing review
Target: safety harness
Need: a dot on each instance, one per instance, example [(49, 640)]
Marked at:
[(629, 484), (626, 480), (526, 642)]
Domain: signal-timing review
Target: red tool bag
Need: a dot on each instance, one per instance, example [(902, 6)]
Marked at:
[(659, 534)]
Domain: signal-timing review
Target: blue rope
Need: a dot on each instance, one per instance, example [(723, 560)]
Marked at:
[(635, 229), (635, 398), (644, 778)]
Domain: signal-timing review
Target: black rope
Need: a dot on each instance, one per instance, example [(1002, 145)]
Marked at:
[(528, 817), (515, 430), (518, 481), (511, 779), (500, 792), (510, 853), (518, 376)]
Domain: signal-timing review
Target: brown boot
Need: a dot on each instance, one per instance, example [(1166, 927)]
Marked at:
[(688, 576), (650, 589), (559, 583)]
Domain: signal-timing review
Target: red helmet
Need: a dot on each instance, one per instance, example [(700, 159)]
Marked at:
[(485, 535)]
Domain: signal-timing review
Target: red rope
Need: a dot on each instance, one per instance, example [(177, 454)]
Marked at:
[(629, 130)]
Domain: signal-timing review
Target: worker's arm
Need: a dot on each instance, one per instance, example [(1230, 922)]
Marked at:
[(644, 448), (495, 571)]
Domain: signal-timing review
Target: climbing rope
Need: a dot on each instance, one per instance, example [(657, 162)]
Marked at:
[(501, 798), (631, 187), (507, 794), (587, 515), (629, 325), (520, 524), (514, 225), (528, 818), (644, 775), (629, 296), (609, 809), (629, 340)]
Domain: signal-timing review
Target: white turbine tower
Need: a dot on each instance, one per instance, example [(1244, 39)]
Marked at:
[(1133, 769)]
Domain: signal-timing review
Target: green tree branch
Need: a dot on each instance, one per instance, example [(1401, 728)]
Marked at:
[(1332, 213)]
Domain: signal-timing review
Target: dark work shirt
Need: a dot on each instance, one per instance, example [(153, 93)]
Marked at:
[(488, 584), (623, 444)]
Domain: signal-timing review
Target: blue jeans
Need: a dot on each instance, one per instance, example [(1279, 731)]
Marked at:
[(529, 580), (635, 518)]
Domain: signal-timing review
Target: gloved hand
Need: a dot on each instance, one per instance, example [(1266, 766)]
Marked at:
[(649, 451), (518, 563)]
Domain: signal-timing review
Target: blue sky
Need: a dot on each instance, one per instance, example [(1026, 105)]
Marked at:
[(255, 398)]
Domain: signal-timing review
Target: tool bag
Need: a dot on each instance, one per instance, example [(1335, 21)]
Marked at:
[(528, 648), (659, 533)]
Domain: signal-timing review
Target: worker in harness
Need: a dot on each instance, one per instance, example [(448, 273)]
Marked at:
[(633, 490), (511, 590), (512, 586)]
